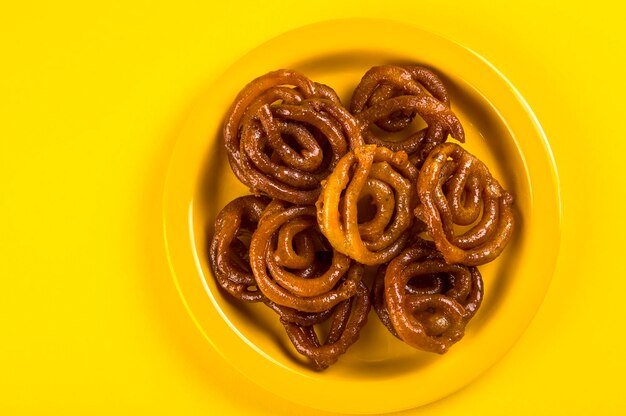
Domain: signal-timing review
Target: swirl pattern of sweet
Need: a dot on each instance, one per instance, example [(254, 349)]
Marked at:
[(228, 252), (346, 322), (337, 191), (229, 256), (293, 264), (285, 133), (390, 96), (455, 188), (387, 178), (425, 301)]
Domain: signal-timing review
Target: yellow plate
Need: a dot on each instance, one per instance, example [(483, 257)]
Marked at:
[(379, 373)]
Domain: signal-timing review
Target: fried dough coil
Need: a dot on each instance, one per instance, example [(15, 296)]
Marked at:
[(455, 188), (427, 301), (388, 178), (284, 134), (390, 96), (297, 317), (228, 252), (378, 300), (285, 256), (347, 320)]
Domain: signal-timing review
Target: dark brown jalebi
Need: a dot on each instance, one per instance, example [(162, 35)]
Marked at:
[(298, 317), (427, 301), (229, 247), (378, 299), (388, 179), (454, 187), (284, 134), (390, 96), (285, 254), (347, 320)]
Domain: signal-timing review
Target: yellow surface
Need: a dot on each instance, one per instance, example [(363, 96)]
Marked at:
[(93, 98), (498, 128)]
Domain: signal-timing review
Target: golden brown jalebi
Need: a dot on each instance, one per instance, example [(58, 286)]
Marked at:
[(378, 299), (347, 320), (285, 255), (388, 179), (454, 187), (230, 262), (427, 302), (390, 96), (284, 134), (229, 247)]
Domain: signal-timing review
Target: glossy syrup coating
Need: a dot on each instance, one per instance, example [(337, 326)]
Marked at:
[(297, 317), (386, 177), (285, 133), (282, 266), (425, 301), (456, 189), (390, 96), (347, 320), (333, 194), (229, 257), (228, 252), (379, 304)]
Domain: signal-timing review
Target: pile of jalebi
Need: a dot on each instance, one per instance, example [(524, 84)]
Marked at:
[(337, 191)]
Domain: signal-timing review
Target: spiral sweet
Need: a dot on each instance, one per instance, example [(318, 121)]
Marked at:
[(388, 179), (293, 264), (285, 133), (390, 96), (228, 252), (457, 190), (379, 304), (346, 322), (425, 301)]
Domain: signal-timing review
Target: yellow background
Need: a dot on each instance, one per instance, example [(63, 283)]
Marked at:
[(91, 98)]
